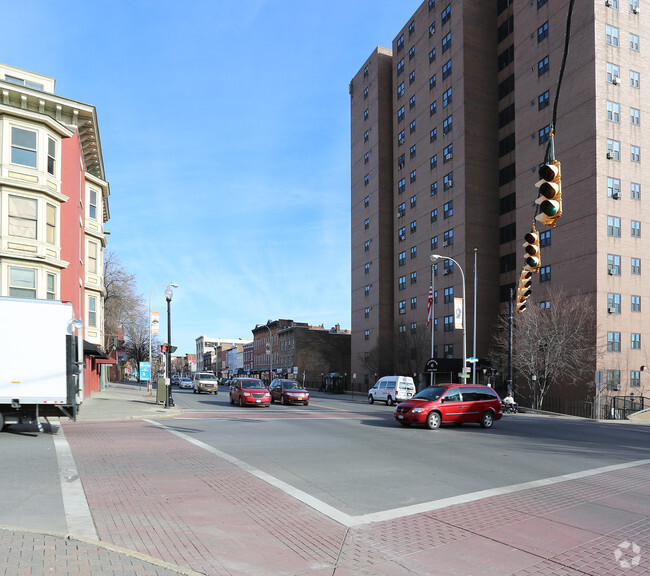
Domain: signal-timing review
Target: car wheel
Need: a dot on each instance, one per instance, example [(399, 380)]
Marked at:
[(487, 420), (215, 392), (371, 399), (389, 401), (241, 401), (283, 401), (434, 420), (194, 390)]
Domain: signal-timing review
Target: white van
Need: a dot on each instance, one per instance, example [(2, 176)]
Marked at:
[(391, 389)]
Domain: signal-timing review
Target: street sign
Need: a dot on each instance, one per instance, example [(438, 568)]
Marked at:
[(463, 375), (145, 371), (431, 365), (472, 360)]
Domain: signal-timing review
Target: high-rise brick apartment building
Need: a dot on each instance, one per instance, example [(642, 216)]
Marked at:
[(449, 128)]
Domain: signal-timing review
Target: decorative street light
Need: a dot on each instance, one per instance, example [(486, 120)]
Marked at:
[(435, 257), (149, 386), (169, 401)]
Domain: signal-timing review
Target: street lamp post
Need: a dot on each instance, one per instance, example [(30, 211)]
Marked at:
[(169, 400), (435, 257), (149, 320)]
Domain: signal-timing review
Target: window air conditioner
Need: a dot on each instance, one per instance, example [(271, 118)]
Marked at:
[(616, 80), (402, 237), (616, 195), (610, 272), (635, 10), (611, 310), (451, 184), (616, 387), (448, 157), (445, 244), (608, 4), (445, 272), (609, 155)]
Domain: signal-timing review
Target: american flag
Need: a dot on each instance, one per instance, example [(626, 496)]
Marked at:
[(429, 305)]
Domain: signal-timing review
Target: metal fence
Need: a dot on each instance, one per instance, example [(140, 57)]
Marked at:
[(609, 407)]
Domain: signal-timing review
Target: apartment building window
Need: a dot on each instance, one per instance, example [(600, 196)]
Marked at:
[(411, 52), (449, 323), (22, 282), (412, 127), (636, 303), (611, 35), (541, 3), (400, 42), (401, 283), (432, 5), (400, 114), (449, 350), (433, 162), (411, 102), (23, 217), (434, 188), (545, 274), (635, 191), (93, 251), (545, 238), (613, 73), (432, 29), (366, 135), (613, 341), (635, 79), (366, 158), (366, 180), (507, 204), (506, 86), (635, 341), (613, 303), (413, 176), (401, 233), (448, 240), (446, 42), (635, 116), (23, 147), (412, 152), (507, 233), (542, 32), (366, 334), (506, 115), (635, 378), (448, 124), (401, 185), (614, 226), (613, 111), (400, 66), (507, 263), (433, 135), (366, 202), (51, 156), (366, 113), (365, 71), (507, 174), (414, 327), (635, 154), (542, 66), (412, 77), (507, 144), (446, 70), (446, 14), (449, 209), (434, 215), (432, 56), (401, 259), (366, 290), (401, 160), (414, 303), (366, 224), (413, 226), (446, 98), (543, 100), (502, 5), (449, 295), (634, 42), (434, 243), (402, 329), (365, 93), (634, 6), (51, 287), (92, 311), (613, 150), (636, 266), (613, 188), (414, 278), (433, 108), (636, 228), (613, 264), (448, 153), (400, 138), (366, 312), (50, 224), (613, 4), (448, 181), (366, 246), (432, 82), (613, 380), (544, 134), (402, 306), (400, 90), (366, 268)]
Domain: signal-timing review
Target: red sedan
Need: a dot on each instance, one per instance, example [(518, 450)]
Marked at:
[(249, 392)]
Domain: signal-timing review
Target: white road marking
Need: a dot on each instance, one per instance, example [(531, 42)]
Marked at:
[(350, 521)]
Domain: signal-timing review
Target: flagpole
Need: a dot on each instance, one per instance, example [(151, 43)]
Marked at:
[(475, 291), (431, 320)]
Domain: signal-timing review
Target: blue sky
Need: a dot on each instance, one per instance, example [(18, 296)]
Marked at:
[(225, 133)]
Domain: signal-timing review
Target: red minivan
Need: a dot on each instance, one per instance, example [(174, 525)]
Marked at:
[(457, 403)]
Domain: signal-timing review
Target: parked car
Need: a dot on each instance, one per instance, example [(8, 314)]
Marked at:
[(185, 383), (288, 392), (205, 382), (249, 392), (451, 403), (392, 389)]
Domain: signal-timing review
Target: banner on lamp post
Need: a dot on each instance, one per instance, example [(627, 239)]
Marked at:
[(155, 322), (458, 313)]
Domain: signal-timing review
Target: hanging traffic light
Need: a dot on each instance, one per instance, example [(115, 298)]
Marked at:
[(531, 246), (524, 289), (549, 200)]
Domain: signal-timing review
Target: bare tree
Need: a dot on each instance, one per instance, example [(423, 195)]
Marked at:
[(372, 360), (412, 350), (552, 346)]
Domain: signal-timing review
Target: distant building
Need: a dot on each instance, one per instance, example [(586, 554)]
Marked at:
[(208, 355)]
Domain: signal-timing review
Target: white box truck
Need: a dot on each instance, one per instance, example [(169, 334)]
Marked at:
[(39, 361)]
